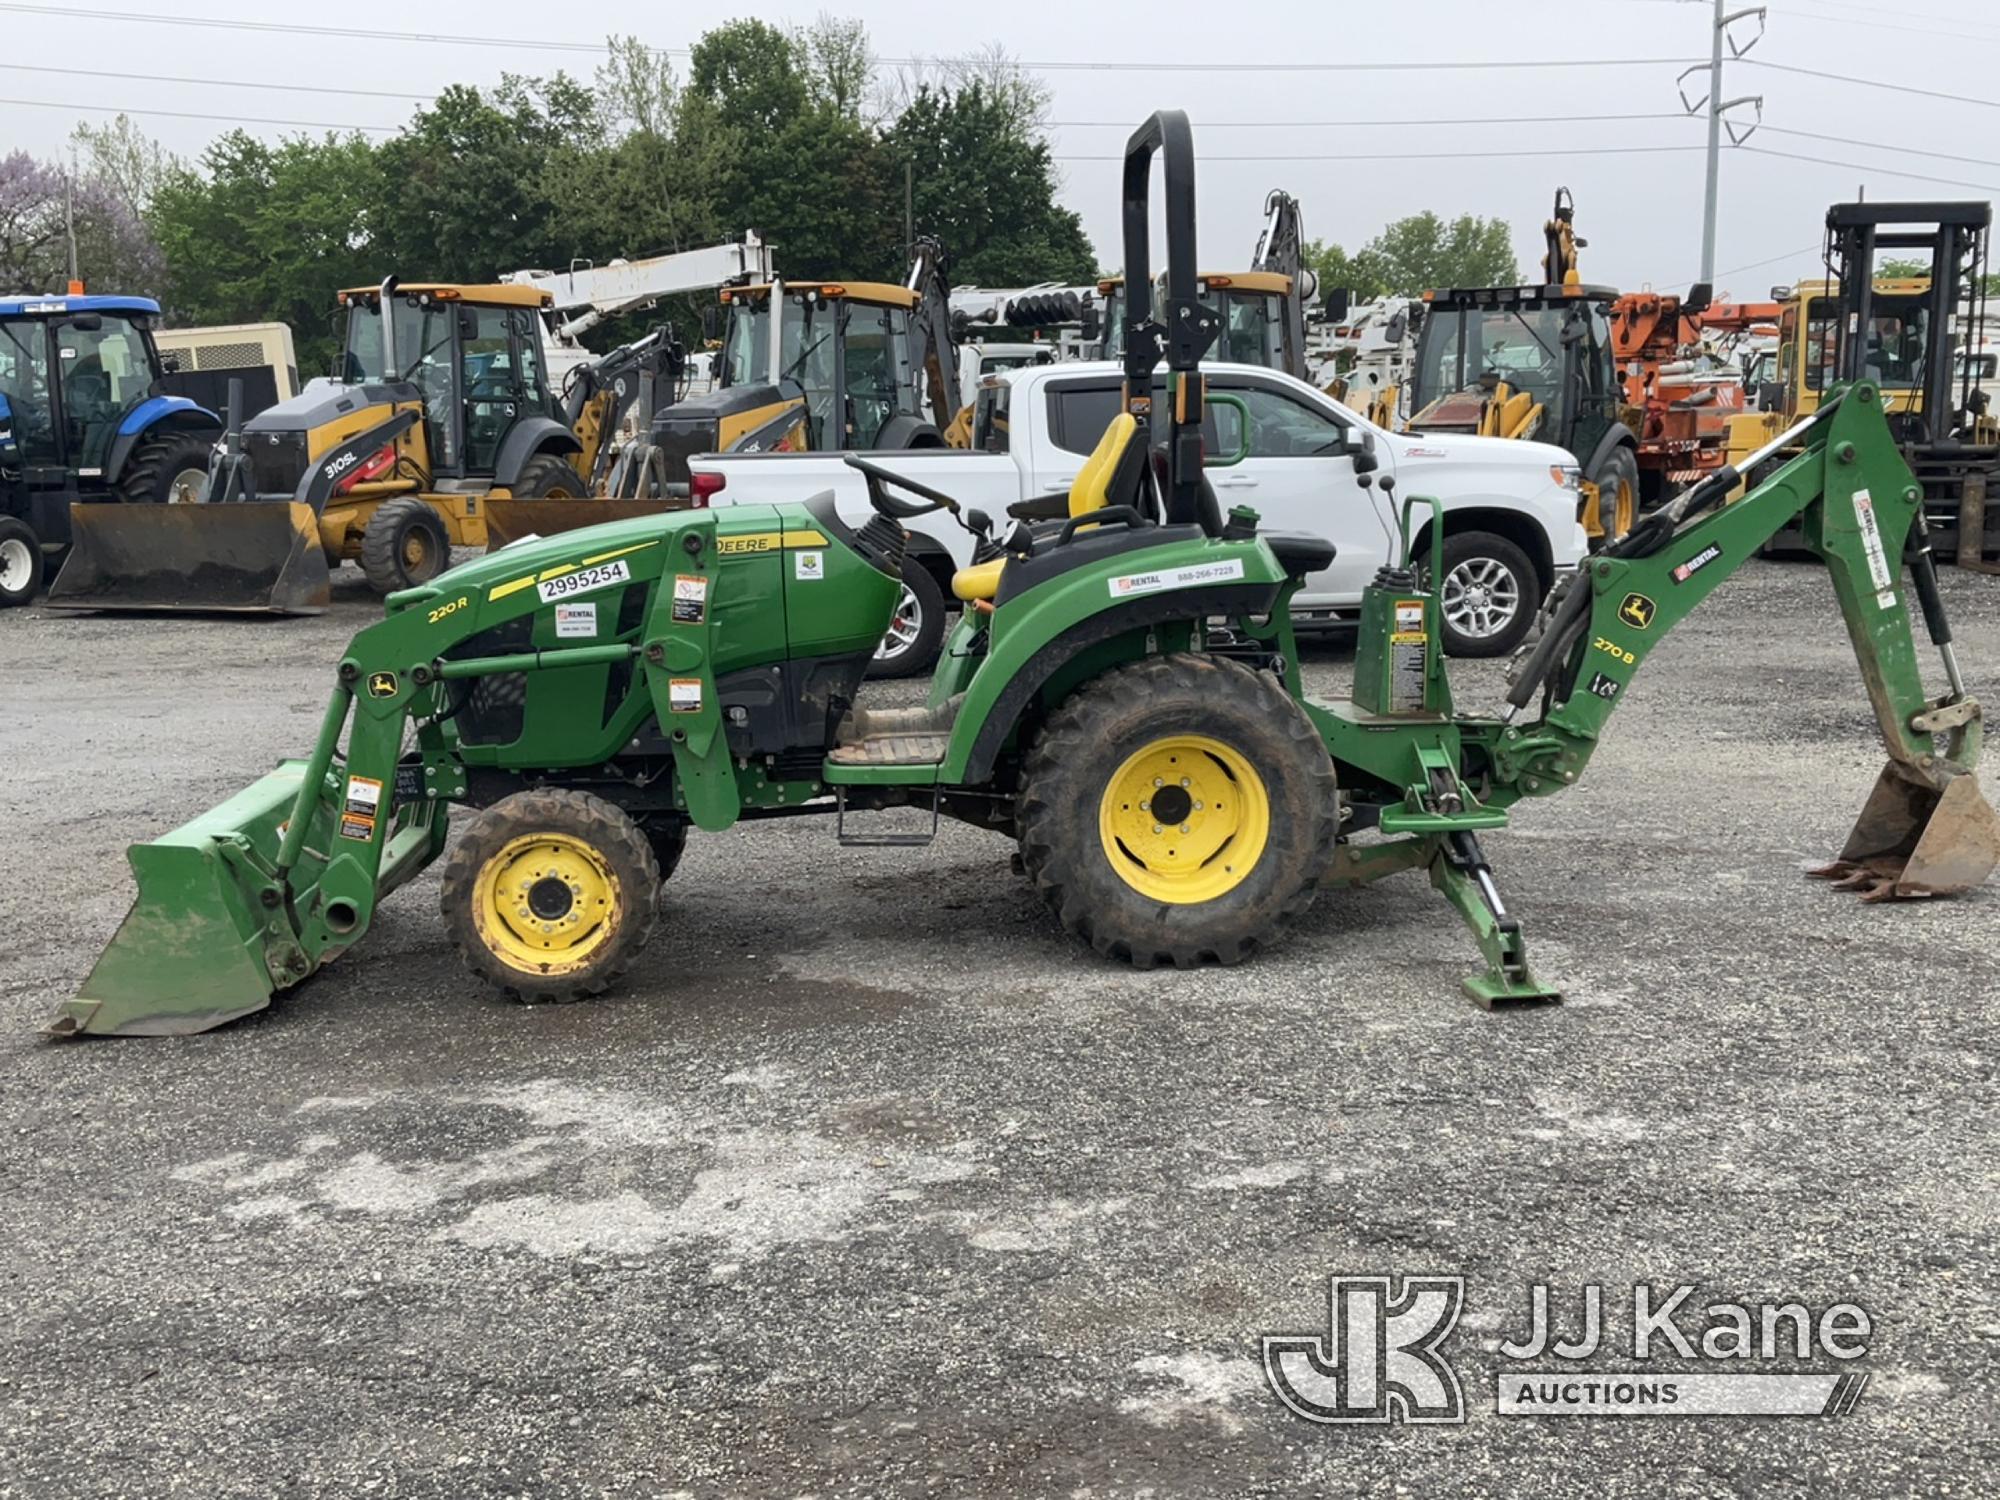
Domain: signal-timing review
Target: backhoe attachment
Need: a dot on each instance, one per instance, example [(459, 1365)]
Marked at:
[(1926, 828)]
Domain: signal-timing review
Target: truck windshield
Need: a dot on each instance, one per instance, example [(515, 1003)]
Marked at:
[(1521, 346)]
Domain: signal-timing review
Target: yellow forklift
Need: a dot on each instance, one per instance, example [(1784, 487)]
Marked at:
[(434, 409), (1908, 336)]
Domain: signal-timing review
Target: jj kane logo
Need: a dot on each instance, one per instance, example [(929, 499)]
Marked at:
[(1382, 1358)]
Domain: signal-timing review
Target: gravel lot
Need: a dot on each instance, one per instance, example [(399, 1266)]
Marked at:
[(871, 1181)]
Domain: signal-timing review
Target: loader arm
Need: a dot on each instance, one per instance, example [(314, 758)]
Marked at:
[(1926, 830)]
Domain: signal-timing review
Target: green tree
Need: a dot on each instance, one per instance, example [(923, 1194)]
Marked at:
[(794, 159), (983, 182), (267, 231), (1336, 268), (465, 190), (1413, 255)]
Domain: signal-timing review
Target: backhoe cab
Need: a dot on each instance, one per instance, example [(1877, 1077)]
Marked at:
[(824, 366), (1534, 363)]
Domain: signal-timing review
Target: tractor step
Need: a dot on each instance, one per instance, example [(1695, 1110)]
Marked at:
[(896, 736)]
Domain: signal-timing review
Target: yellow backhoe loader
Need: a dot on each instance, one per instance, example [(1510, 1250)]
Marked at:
[(441, 402)]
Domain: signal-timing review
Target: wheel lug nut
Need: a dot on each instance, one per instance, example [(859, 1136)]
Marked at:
[(1184, 781), (1158, 829), (1197, 807), (1145, 807), (1184, 828), (1158, 782)]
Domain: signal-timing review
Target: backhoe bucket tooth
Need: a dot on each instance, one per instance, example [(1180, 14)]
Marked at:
[(208, 927), (1913, 840), (256, 557), (510, 520)]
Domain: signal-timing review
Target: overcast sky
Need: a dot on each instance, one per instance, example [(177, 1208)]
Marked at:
[(1348, 144)]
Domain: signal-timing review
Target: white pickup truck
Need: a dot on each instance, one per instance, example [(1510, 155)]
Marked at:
[(1510, 507)]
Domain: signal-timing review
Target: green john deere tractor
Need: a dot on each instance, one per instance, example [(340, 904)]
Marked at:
[(1176, 799)]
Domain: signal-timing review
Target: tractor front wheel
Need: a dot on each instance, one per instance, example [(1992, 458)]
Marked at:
[(551, 894), (20, 562), (405, 544), (171, 469), (1179, 810)]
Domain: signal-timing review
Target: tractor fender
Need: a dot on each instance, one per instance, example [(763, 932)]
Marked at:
[(1024, 663), (1618, 435), (527, 438), (156, 414), (905, 431)]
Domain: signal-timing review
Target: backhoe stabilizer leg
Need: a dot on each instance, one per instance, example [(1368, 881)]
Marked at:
[(1917, 837), (1460, 871)]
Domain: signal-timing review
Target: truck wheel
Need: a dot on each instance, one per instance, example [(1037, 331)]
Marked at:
[(1179, 810), (171, 469), (547, 477), (1490, 594), (916, 629), (405, 544), (1617, 496), (20, 563), (550, 895)]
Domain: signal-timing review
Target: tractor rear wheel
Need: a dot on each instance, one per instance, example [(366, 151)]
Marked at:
[(405, 544), (549, 895), (548, 477), (20, 562), (1179, 810), (171, 469)]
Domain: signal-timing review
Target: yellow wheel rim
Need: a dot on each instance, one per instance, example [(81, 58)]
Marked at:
[(546, 903), (1184, 820)]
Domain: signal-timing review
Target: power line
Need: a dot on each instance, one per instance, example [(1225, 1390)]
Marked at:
[(1847, 140), (1423, 155), (1873, 83), (294, 28), (1877, 10), (1812, 18), (192, 114), (1855, 166), (1208, 125), (232, 83)]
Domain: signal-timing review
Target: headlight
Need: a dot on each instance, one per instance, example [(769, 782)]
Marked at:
[(1569, 476)]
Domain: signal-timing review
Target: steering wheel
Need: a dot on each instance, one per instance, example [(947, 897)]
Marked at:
[(887, 505)]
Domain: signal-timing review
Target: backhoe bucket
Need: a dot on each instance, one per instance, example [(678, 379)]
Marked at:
[(509, 520), (1913, 840), (261, 556), (208, 932)]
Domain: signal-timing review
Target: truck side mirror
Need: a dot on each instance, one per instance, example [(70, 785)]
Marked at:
[(468, 324), (1092, 318), (711, 322), (1771, 396), (170, 362), (1338, 300)]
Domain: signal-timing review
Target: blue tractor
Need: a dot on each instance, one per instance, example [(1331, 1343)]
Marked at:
[(83, 417)]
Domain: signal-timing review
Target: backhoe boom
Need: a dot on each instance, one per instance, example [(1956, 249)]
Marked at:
[(1926, 829)]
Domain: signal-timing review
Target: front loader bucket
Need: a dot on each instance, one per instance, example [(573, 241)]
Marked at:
[(259, 556), (1914, 840), (510, 520), (201, 943)]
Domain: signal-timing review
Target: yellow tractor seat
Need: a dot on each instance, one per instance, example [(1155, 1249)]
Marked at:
[(1111, 475)]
